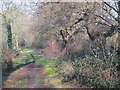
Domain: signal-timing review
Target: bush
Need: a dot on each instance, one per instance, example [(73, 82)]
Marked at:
[(98, 71), (94, 64), (72, 55), (93, 72)]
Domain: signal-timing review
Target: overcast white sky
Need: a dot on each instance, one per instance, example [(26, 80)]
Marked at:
[(26, 5), (58, 0)]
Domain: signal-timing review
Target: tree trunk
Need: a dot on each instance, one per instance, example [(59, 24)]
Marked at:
[(9, 33)]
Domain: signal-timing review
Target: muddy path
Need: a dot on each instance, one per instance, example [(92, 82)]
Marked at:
[(36, 77), (34, 71), (29, 76)]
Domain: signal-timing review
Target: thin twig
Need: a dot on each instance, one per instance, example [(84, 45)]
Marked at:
[(33, 57)]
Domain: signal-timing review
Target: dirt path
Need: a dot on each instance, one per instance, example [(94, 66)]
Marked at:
[(34, 75), (29, 76)]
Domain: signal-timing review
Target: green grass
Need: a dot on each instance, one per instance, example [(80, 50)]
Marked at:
[(25, 51), (59, 80), (4, 79), (27, 58), (50, 76), (43, 61), (50, 69)]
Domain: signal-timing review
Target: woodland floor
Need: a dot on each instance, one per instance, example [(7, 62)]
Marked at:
[(29, 76), (38, 74)]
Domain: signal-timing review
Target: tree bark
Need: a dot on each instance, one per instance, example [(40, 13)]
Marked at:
[(9, 33)]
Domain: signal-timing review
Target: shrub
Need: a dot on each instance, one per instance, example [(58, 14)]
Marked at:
[(94, 64), (93, 72)]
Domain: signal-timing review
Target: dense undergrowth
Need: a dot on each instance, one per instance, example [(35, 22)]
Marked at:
[(89, 71), (84, 72)]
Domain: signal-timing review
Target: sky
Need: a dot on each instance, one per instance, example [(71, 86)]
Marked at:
[(24, 5), (59, 0), (30, 8)]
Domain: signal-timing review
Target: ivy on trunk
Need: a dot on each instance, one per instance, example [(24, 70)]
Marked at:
[(9, 32)]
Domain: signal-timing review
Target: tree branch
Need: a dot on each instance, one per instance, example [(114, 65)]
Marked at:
[(110, 6), (103, 19), (4, 17)]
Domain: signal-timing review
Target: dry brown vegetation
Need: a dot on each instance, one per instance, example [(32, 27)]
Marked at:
[(52, 49)]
